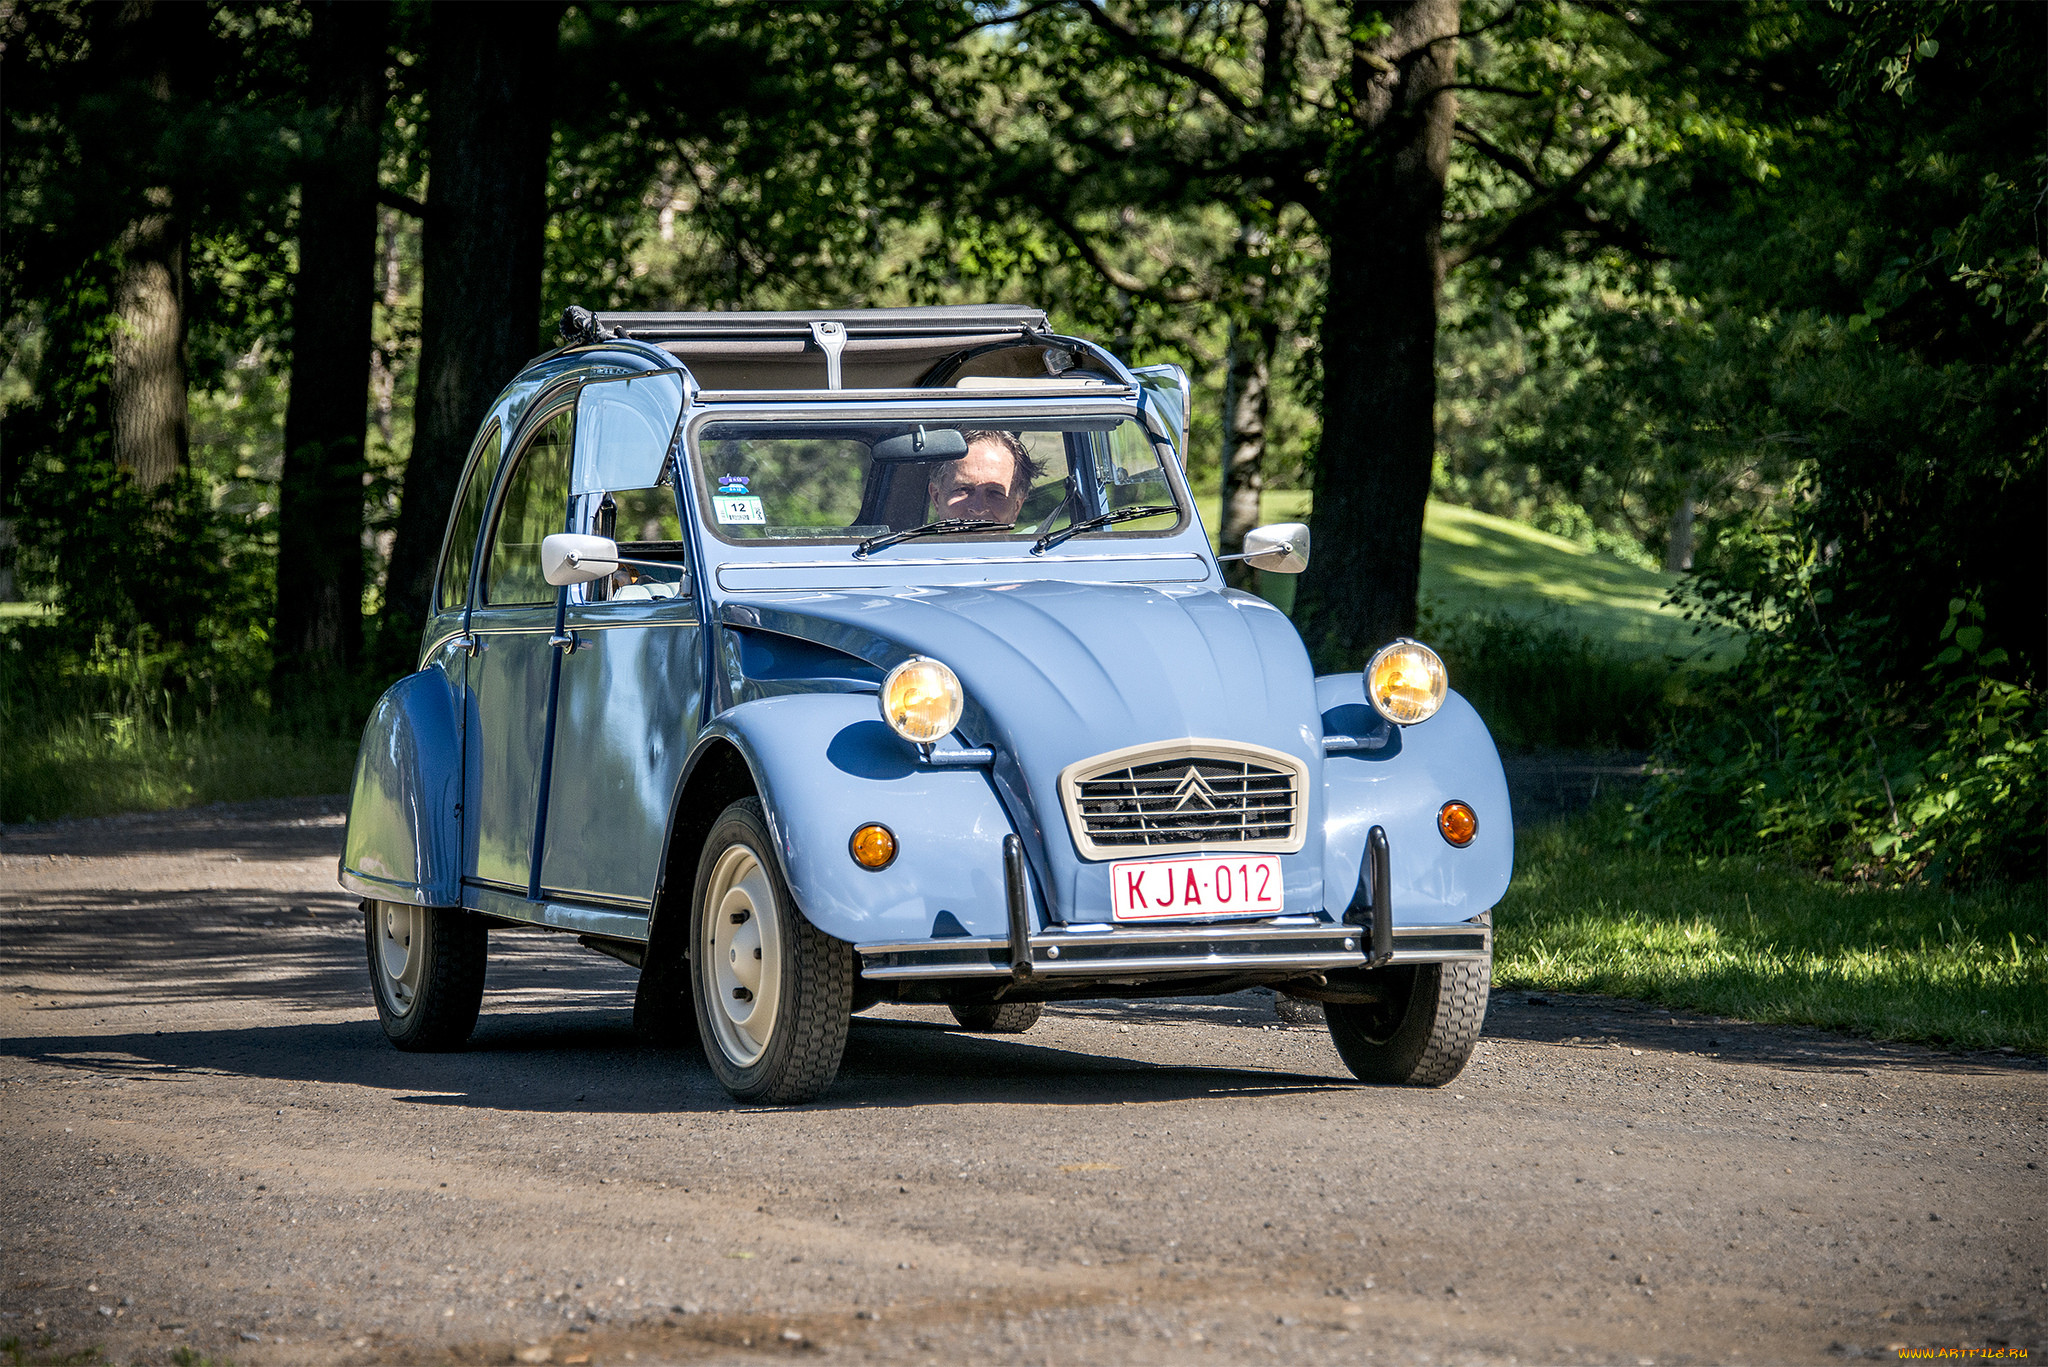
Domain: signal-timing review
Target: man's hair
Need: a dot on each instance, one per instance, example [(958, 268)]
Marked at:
[(1027, 470)]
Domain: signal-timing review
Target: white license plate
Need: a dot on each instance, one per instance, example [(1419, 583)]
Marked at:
[(1171, 889)]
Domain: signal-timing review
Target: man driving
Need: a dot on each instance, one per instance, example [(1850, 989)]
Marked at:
[(989, 483)]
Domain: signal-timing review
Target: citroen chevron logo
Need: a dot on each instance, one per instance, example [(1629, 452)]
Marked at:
[(1194, 788)]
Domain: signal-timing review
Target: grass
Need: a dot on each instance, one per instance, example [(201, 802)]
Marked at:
[(1475, 563), (1764, 943), (1539, 684), (39, 1353), (99, 767)]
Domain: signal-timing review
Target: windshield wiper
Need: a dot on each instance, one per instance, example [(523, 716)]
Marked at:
[(939, 528), (1051, 539)]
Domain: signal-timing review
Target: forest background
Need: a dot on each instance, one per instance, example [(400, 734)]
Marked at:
[(1752, 291)]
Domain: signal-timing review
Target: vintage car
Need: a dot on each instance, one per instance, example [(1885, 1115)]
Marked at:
[(809, 661)]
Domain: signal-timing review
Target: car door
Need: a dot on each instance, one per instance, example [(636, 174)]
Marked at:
[(630, 695), (511, 619)]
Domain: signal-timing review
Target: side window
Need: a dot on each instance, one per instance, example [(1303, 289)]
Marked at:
[(536, 505), (648, 526), (469, 520)]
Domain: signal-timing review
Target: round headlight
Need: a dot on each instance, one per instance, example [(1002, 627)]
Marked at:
[(1406, 682), (921, 700)]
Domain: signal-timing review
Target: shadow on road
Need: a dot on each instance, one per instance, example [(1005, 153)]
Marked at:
[(293, 828), (588, 1061), (1604, 1023)]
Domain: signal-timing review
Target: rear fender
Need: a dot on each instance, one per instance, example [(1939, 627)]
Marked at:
[(1401, 787), (404, 816), (826, 764)]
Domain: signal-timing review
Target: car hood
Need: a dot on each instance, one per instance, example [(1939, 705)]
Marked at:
[(1057, 672), (1064, 671)]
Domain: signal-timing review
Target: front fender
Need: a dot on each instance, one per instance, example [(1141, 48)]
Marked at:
[(402, 842), (825, 764), (1401, 787)]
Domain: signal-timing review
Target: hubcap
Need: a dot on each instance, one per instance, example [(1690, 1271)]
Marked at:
[(402, 945), (741, 954)]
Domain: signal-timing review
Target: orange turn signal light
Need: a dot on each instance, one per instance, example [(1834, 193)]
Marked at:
[(873, 846), (1458, 823)]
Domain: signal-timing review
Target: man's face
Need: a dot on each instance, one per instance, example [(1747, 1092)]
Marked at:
[(978, 485)]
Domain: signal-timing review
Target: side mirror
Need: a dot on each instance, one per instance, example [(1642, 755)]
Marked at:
[(572, 558), (1279, 548)]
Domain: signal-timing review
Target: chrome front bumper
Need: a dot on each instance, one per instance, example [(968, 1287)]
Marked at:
[(1287, 944)]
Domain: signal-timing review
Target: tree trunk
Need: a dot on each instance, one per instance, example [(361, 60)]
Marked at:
[(383, 379), (150, 46), (146, 383), (1381, 219), (1678, 554), (480, 252), (1246, 383), (320, 497)]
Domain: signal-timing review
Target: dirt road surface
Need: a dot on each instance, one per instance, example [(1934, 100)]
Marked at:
[(206, 1143)]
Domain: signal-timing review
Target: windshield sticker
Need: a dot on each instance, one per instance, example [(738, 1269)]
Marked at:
[(734, 484), (739, 509)]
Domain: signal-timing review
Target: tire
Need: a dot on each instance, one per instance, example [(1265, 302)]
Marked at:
[(426, 973), (1423, 1033), (774, 1021), (998, 1018)]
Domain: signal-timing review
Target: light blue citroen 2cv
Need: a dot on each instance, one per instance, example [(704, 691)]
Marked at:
[(809, 661)]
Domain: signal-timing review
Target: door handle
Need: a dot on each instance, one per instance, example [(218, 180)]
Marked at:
[(469, 643), (564, 641)]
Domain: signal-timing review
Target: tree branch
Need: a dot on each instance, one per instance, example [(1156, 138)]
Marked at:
[(1145, 50), (1482, 88), (1493, 23), (1561, 200), (1122, 279), (1501, 157), (1019, 17), (405, 204)]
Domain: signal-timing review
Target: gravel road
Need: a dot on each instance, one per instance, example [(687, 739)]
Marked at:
[(206, 1143)]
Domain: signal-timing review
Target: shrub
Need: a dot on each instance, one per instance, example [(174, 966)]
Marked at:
[(1540, 684), (1820, 747)]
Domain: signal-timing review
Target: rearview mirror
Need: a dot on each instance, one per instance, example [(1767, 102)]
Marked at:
[(572, 558), (1278, 548), (941, 443)]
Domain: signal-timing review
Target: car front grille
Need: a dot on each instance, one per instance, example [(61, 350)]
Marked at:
[(1188, 799)]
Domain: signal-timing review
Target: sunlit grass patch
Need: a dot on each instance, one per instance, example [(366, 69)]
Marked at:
[(1474, 562), (97, 766), (1771, 944)]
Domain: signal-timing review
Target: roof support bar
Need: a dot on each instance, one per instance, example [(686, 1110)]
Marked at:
[(831, 339)]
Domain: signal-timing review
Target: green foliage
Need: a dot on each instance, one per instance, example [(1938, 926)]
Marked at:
[(1541, 684), (1766, 941), (1841, 356), (110, 763), (1812, 748), (38, 1352)]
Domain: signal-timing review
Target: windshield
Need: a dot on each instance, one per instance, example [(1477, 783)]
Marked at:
[(869, 483)]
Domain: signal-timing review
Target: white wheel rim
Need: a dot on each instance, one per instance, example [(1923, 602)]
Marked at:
[(741, 954), (401, 951)]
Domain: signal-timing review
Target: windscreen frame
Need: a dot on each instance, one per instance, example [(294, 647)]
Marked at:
[(1040, 414)]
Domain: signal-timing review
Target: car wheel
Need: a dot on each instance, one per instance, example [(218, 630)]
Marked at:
[(1422, 1032), (998, 1018), (426, 972), (774, 994)]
